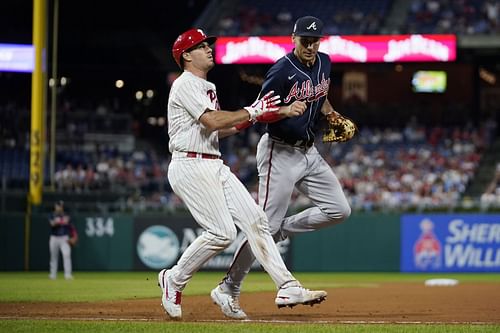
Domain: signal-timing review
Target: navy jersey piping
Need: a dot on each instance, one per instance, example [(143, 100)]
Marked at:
[(291, 64)]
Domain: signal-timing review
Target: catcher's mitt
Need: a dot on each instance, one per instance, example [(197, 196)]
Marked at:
[(340, 128)]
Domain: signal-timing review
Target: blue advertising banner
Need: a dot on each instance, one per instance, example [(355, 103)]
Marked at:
[(450, 243)]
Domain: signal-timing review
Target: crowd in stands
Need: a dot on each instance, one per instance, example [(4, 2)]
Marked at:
[(133, 175), (463, 17), (491, 197), (73, 121), (261, 17), (381, 169), (391, 169), (415, 167)]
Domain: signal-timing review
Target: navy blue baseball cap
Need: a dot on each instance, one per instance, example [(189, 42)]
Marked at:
[(308, 26)]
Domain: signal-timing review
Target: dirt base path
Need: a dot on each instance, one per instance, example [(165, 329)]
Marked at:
[(385, 303)]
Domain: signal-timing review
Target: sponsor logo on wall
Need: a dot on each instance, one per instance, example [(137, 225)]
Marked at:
[(160, 242), (352, 48), (450, 243), (158, 247)]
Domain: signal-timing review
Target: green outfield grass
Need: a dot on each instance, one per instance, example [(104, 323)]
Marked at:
[(107, 286), (102, 286)]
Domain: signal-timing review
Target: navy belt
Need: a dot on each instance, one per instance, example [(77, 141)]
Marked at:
[(293, 143)]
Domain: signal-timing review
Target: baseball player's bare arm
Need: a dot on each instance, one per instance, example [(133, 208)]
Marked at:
[(215, 121), (227, 132), (328, 108)]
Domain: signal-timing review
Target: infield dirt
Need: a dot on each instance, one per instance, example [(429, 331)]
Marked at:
[(386, 302)]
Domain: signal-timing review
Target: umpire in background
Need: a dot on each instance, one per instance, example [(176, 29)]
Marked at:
[(62, 234)]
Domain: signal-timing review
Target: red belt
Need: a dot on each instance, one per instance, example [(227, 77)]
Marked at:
[(207, 156)]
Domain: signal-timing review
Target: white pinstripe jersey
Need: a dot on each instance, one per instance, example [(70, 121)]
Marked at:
[(189, 97)]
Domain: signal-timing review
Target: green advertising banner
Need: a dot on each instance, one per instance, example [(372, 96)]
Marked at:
[(364, 242), (105, 242), (12, 241), (109, 242)]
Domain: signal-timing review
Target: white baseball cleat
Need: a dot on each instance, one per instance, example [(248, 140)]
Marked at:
[(170, 298), (291, 296), (229, 304)]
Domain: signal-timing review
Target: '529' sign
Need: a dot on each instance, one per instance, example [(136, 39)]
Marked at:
[(99, 226)]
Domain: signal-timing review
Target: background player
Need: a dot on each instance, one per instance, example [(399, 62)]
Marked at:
[(286, 155), (215, 197), (61, 231)]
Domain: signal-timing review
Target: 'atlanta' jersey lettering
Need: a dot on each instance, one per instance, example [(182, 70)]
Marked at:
[(289, 78), (307, 92)]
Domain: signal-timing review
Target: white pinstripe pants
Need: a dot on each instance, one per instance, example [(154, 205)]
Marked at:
[(219, 202)]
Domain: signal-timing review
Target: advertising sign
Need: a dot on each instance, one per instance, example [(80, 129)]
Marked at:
[(17, 58), (356, 48), (450, 243), (160, 241)]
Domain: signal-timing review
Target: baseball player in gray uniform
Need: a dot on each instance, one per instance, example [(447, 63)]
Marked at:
[(214, 196), (286, 155), (60, 234)]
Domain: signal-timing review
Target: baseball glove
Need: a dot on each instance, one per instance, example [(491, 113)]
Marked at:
[(72, 241), (340, 128), (73, 236)]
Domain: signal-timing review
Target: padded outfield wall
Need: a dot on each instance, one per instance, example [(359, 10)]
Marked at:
[(365, 242)]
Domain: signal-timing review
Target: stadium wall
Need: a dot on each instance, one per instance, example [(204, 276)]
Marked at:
[(365, 242)]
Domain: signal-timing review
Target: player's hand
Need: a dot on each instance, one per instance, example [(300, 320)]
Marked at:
[(267, 103), (295, 109)]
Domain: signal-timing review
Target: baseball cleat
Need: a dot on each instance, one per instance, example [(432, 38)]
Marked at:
[(170, 298), (229, 304), (295, 295)]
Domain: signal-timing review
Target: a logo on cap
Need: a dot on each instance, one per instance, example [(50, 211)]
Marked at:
[(312, 26)]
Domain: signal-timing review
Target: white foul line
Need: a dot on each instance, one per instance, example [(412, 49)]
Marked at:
[(263, 321)]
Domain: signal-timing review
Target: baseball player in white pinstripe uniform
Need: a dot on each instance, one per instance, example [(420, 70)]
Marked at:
[(215, 197)]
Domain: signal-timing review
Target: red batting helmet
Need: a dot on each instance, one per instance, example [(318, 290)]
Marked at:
[(187, 40)]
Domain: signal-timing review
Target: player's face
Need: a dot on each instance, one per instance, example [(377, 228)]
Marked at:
[(306, 48), (201, 56)]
